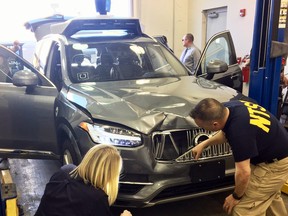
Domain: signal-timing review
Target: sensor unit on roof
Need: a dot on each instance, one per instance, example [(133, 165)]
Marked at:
[(103, 6)]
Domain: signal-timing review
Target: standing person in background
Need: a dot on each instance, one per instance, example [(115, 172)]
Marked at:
[(86, 190), (191, 54), (16, 46), (165, 42), (283, 77)]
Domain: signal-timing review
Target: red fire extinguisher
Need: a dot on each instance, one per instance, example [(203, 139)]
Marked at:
[(246, 74), (246, 68)]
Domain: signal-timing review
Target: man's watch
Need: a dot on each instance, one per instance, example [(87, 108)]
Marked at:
[(235, 196)]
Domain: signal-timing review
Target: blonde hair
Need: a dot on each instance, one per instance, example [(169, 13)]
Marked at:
[(101, 168)]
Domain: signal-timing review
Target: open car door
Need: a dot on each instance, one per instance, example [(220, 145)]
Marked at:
[(218, 62), (27, 128)]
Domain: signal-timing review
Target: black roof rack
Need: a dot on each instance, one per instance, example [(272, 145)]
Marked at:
[(72, 26), (68, 26)]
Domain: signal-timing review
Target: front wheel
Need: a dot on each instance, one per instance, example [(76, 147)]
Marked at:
[(68, 153)]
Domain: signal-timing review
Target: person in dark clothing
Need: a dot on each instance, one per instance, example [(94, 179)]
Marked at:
[(88, 189), (259, 143)]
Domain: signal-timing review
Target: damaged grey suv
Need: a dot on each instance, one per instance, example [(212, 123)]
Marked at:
[(103, 80)]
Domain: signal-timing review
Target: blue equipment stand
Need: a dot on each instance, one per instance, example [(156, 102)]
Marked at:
[(267, 51)]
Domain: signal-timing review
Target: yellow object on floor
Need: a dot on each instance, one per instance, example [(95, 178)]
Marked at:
[(9, 194), (11, 207)]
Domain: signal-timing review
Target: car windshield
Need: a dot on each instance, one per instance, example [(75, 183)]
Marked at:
[(97, 62)]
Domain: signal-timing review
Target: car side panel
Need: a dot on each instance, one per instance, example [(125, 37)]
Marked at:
[(27, 128), (27, 118), (232, 77)]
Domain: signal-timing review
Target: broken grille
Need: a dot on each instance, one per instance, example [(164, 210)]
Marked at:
[(177, 144)]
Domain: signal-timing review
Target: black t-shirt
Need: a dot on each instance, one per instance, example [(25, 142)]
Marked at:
[(254, 133), (65, 196)]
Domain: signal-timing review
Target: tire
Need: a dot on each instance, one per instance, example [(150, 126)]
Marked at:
[(68, 153)]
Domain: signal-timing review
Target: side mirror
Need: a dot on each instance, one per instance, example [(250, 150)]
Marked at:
[(25, 78), (216, 66)]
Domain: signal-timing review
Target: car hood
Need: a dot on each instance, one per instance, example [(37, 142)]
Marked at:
[(149, 103)]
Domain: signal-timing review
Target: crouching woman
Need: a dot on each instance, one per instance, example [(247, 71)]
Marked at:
[(88, 189)]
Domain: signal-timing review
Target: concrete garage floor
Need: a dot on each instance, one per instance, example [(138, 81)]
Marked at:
[(31, 176)]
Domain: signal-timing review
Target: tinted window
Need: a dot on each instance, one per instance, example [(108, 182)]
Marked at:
[(9, 65), (121, 61), (41, 55), (218, 49)]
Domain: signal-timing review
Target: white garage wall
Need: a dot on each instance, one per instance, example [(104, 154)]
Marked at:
[(241, 28), (15, 13), (164, 17), (174, 18)]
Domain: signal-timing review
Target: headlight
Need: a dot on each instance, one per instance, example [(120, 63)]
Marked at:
[(112, 135)]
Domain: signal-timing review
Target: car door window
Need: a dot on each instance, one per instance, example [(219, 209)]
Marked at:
[(53, 70), (9, 65), (217, 50), (41, 56), (5, 74)]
